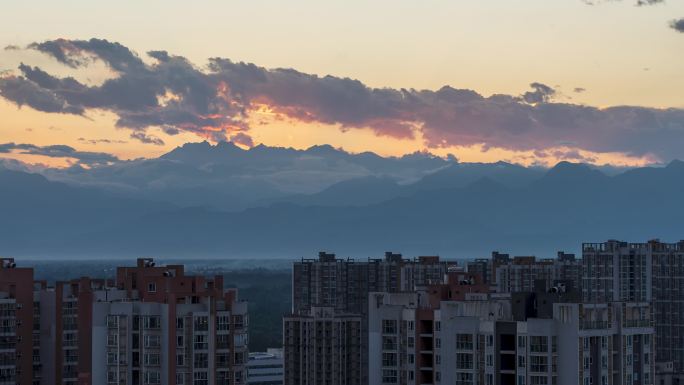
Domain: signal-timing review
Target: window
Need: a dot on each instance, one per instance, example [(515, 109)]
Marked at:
[(112, 358), (151, 341), (180, 341), (222, 360), (521, 342), (389, 359), (201, 323), (438, 343), (113, 321), (201, 360), (200, 378), (521, 380), (389, 326), (521, 361), (112, 340), (201, 342), (539, 364), (223, 378), (152, 377), (223, 322), (410, 342), (112, 376), (151, 322), (464, 361), (438, 326), (490, 340), (490, 360), (180, 378), (151, 359), (464, 341), (438, 359), (538, 380), (151, 287), (467, 378), (539, 344), (389, 376), (222, 341), (180, 360), (389, 343), (180, 323)]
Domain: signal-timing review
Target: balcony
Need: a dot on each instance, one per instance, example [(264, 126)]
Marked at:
[(595, 325), (636, 323)]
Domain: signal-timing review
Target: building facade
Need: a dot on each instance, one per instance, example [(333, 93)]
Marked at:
[(324, 347), (152, 325), (498, 339), (331, 293), (650, 272)]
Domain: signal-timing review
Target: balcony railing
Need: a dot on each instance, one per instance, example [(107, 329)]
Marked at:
[(592, 325)]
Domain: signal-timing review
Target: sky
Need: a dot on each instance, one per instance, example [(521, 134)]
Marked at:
[(528, 81)]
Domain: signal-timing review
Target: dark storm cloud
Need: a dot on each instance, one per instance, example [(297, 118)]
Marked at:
[(215, 102), (59, 151), (678, 25)]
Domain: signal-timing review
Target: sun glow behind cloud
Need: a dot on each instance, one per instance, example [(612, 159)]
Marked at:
[(166, 100)]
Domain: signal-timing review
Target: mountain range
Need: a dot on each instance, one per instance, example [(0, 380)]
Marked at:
[(222, 201)]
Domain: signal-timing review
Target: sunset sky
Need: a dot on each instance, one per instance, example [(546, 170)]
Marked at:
[(529, 81)]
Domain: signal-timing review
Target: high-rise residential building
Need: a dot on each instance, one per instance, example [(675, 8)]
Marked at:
[(18, 363), (265, 368), (335, 291), (160, 326), (152, 325), (324, 346), (544, 337), (521, 273), (651, 272)]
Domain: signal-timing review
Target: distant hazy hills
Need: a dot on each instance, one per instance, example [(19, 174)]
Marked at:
[(202, 200)]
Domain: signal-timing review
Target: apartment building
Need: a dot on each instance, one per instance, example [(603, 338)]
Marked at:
[(501, 339), (520, 274), (160, 326), (151, 325), (18, 364), (651, 272), (324, 347), (333, 292)]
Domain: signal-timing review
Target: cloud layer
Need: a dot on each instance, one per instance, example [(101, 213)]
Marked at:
[(59, 151), (216, 102)]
